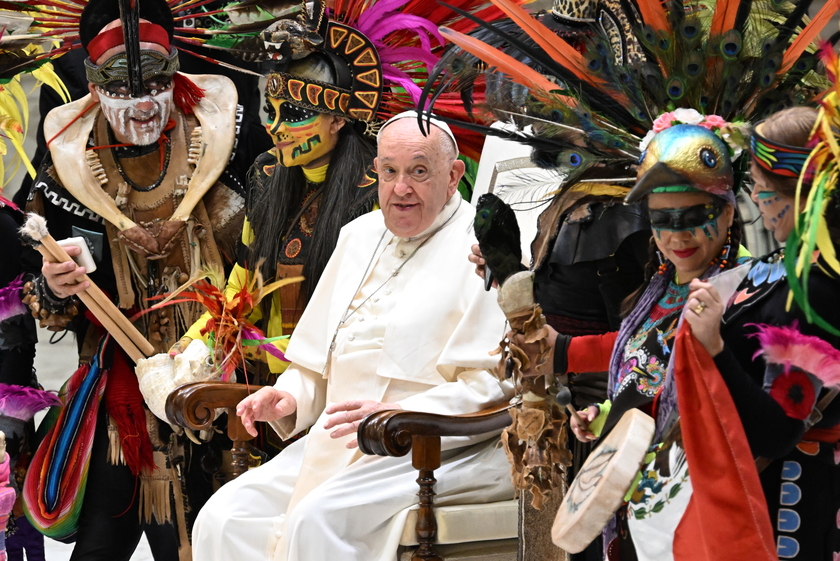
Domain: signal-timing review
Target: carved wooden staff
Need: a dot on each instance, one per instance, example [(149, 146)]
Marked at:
[(118, 326)]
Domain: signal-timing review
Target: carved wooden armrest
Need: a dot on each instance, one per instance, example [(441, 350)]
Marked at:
[(394, 433), (193, 406)]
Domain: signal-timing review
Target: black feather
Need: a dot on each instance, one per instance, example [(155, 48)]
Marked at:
[(498, 237)]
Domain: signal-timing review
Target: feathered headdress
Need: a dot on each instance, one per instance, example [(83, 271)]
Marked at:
[(585, 101), (23, 49), (822, 171), (381, 50)]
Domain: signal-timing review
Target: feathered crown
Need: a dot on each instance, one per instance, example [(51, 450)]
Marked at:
[(822, 172), (585, 101)]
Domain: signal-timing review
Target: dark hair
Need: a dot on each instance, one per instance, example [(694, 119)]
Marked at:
[(790, 126), (99, 13), (276, 205), (652, 267)]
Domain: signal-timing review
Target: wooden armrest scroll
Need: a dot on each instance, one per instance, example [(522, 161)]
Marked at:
[(193, 406), (389, 433)]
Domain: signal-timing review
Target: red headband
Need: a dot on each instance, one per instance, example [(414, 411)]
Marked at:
[(149, 33)]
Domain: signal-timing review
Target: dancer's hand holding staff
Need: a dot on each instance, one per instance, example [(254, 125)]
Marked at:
[(120, 328)]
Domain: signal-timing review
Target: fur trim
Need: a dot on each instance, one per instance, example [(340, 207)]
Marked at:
[(11, 304), (22, 403), (788, 346)]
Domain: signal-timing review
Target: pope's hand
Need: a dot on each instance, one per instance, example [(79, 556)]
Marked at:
[(63, 278), (347, 416), (477, 259), (703, 311), (268, 404)]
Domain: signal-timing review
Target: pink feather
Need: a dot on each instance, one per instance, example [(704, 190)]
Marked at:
[(788, 346), (10, 299), (22, 403)]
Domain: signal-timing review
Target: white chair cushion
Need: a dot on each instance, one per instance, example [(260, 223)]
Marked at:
[(467, 523)]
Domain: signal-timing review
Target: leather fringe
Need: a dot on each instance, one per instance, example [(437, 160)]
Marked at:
[(155, 495)]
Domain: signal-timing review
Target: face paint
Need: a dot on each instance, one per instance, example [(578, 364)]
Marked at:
[(140, 121), (300, 135)]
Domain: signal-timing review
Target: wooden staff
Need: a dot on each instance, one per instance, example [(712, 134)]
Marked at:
[(121, 329)]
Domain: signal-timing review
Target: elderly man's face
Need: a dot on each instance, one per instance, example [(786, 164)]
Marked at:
[(416, 177)]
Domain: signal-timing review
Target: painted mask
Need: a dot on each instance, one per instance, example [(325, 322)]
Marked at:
[(300, 135), (140, 120)]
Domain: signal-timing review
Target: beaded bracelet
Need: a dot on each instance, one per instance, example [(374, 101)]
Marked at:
[(53, 313)]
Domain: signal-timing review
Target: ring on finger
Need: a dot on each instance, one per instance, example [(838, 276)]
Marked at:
[(699, 308)]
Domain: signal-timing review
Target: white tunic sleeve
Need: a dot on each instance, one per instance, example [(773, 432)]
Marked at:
[(309, 390)]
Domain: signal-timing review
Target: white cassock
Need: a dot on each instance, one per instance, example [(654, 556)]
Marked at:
[(420, 339)]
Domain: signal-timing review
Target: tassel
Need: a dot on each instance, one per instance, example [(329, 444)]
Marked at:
[(187, 94)]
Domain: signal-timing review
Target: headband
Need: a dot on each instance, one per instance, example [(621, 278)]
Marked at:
[(149, 33), (776, 158)]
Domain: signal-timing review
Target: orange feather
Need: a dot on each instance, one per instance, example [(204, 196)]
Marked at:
[(724, 17), (505, 63), (554, 46), (811, 31), (653, 14)]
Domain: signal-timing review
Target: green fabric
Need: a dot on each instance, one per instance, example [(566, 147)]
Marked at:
[(467, 184), (597, 425)]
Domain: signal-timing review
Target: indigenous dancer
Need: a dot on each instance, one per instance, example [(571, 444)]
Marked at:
[(772, 356), (137, 169)]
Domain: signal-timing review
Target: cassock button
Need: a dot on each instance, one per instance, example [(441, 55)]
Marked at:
[(376, 299), (363, 317), (351, 337), (401, 253), (387, 292)]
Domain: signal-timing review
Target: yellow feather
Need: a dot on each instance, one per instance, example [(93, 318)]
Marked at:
[(47, 75), (825, 245)]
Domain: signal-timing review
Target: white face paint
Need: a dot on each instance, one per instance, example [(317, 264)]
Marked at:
[(139, 121)]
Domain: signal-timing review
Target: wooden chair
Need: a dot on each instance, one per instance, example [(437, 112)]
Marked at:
[(466, 535), (193, 406), (395, 433)]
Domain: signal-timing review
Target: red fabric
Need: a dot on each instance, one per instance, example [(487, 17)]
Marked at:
[(830, 435), (727, 517), (124, 404), (186, 94), (149, 33), (590, 353)]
